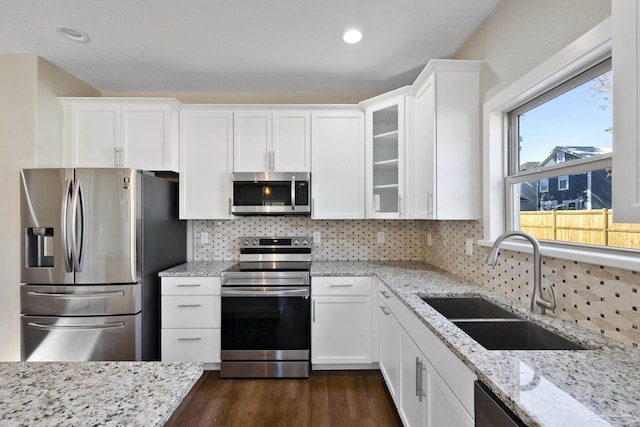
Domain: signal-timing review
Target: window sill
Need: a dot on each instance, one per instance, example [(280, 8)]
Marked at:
[(616, 258)]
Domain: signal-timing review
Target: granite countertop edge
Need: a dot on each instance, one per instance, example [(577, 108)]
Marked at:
[(94, 393)]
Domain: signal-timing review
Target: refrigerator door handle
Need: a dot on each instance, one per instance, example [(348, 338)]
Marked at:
[(63, 295), (68, 252), (77, 205), (54, 327)]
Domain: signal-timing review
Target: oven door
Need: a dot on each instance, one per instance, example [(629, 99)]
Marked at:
[(266, 323)]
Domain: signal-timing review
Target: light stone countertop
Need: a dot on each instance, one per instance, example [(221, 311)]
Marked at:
[(93, 393), (597, 387)]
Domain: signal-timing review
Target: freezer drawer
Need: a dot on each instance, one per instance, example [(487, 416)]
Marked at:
[(103, 338), (89, 300)]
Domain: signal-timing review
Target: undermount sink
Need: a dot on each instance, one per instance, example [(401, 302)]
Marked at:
[(515, 335), (468, 308), (495, 328)]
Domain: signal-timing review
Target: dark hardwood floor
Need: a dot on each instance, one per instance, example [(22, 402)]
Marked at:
[(328, 398)]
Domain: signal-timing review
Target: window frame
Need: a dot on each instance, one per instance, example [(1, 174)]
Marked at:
[(594, 46)]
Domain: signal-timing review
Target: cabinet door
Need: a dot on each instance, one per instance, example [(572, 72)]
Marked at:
[(337, 171), (146, 137), (291, 148), (413, 402), (205, 164), (389, 349), (95, 135), (385, 126), (444, 409), (341, 329), (252, 141), (424, 151)]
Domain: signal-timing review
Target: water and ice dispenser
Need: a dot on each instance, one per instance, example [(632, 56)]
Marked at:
[(39, 246)]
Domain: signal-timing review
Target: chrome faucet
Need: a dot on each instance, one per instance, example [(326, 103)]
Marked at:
[(538, 303)]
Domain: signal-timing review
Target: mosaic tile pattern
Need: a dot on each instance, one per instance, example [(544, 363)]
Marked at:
[(603, 299), (344, 240)]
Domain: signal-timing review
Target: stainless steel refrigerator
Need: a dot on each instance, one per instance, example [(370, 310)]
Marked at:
[(93, 242)]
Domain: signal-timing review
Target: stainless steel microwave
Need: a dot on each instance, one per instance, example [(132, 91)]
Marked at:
[(271, 193)]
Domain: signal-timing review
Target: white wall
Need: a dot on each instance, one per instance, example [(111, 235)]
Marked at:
[(29, 117), (18, 77), (521, 34)]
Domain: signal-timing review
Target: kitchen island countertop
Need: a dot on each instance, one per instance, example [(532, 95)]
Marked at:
[(93, 393)]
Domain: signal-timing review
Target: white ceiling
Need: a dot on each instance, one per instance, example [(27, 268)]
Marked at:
[(241, 45)]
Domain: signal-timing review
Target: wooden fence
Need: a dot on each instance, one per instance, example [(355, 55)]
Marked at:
[(591, 227)]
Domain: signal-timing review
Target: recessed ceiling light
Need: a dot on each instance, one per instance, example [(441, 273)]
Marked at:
[(72, 33), (352, 36)]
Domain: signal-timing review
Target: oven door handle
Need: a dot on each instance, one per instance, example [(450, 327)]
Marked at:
[(258, 291)]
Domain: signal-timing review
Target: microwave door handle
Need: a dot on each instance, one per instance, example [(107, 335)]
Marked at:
[(293, 193), (67, 252)]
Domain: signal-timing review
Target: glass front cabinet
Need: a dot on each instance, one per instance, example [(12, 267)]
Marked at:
[(385, 156)]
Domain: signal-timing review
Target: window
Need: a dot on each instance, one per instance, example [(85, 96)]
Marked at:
[(543, 184), (500, 212), (560, 174), (563, 183)]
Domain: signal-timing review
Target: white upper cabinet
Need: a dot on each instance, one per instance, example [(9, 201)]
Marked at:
[(446, 147), (206, 148), (386, 127), (626, 111), (121, 132), (337, 169), (272, 141)]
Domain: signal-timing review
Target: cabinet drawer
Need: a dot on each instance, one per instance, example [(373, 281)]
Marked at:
[(190, 285), (341, 286), (190, 311), (191, 345)]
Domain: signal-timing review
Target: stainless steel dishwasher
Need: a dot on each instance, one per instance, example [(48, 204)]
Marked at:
[(490, 411)]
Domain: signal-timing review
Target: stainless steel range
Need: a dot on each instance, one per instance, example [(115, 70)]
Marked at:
[(266, 310)]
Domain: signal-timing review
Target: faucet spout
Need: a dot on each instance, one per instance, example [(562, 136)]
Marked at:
[(538, 303)]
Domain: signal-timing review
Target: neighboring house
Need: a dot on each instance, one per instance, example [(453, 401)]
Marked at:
[(586, 190)]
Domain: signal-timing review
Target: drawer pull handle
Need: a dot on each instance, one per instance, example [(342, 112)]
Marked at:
[(384, 310), (190, 339), (384, 294), (195, 285), (189, 305), (341, 286)]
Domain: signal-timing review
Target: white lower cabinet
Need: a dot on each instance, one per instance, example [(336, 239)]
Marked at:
[(341, 320), (190, 312), (415, 364), (389, 352), (413, 397)]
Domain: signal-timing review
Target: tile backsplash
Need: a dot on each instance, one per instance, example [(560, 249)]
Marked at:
[(343, 240), (602, 299)]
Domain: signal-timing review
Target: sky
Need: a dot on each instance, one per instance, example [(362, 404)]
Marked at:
[(572, 119)]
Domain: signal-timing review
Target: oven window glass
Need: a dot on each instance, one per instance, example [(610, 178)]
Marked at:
[(266, 323)]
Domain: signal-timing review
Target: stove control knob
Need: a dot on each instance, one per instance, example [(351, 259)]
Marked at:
[(245, 242), (255, 243), (305, 242), (296, 242)]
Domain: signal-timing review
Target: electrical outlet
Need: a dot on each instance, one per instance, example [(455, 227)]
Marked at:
[(469, 247), (317, 237), (429, 241), (204, 238), (381, 237)]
